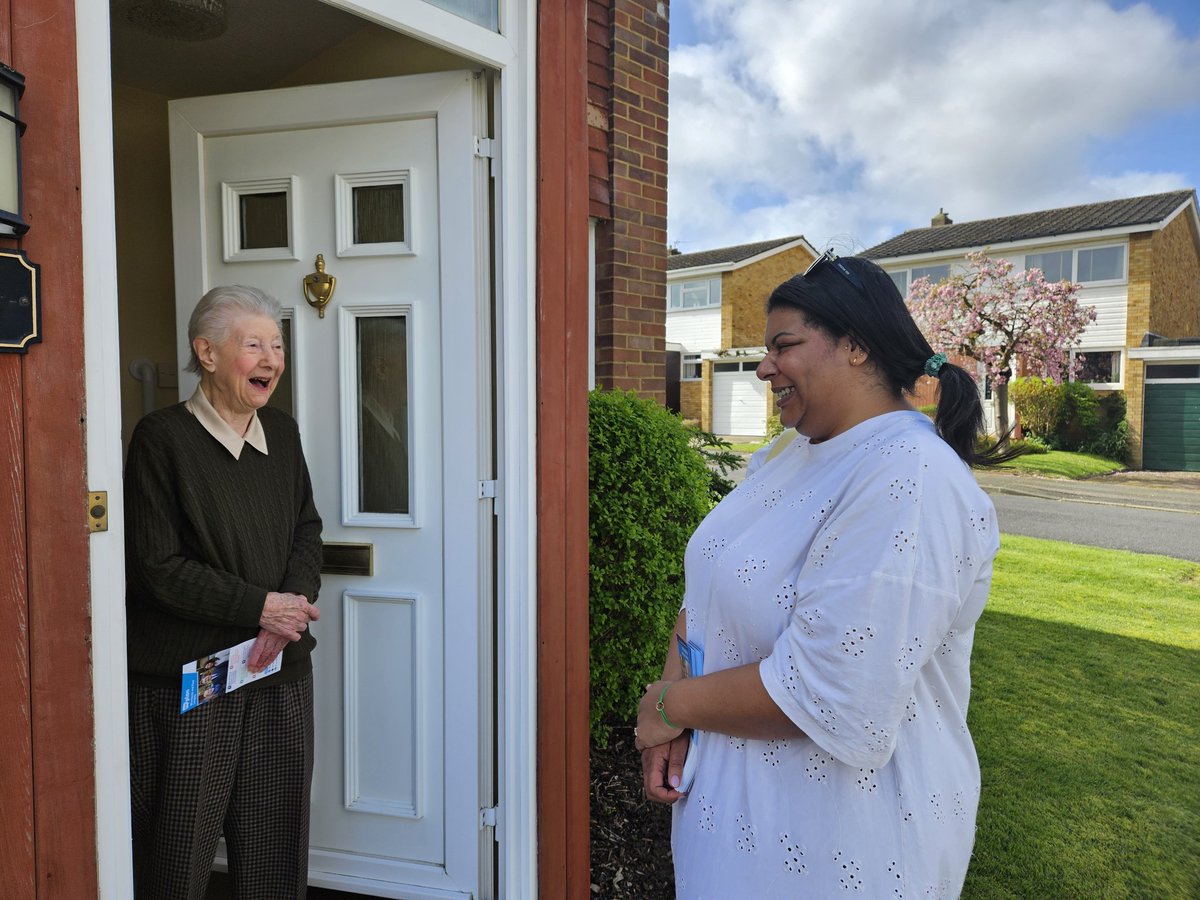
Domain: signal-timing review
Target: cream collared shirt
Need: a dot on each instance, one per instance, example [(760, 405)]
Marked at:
[(208, 416)]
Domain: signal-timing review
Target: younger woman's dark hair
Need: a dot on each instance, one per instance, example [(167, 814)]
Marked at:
[(848, 297)]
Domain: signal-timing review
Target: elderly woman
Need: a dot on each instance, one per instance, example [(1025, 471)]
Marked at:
[(835, 595), (223, 546)]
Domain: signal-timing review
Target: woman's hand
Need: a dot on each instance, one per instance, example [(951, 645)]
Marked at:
[(662, 767), (287, 615), (265, 649), (652, 727)]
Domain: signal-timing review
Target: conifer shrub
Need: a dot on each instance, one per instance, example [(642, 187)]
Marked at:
[(649, 489)]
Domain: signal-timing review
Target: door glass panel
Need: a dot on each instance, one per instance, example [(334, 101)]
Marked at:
[(383, 403), (481, 12), (263, 220), (284, 398), (379, 213)]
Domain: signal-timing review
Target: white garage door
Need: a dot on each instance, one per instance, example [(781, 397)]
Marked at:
[(739, 399)]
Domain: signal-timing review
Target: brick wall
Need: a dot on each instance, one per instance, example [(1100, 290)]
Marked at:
[(599, 46), (1175, 293), (1141, 265), (744, 294), (690, 403), (631, 237), (1164, 297)]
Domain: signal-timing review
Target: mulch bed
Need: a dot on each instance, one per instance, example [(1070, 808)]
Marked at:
[(630, 837)]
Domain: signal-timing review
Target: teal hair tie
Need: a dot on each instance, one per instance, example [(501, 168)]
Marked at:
[(934, 364)]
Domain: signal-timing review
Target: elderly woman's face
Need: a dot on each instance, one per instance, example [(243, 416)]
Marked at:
[(243, 372)]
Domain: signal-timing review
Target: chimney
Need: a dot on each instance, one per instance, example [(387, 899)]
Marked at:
[(941, 219)]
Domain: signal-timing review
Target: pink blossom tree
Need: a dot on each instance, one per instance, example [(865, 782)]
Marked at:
[(998, 317)]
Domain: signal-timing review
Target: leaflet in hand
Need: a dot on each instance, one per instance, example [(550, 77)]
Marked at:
[(691, 655), (219, 673)]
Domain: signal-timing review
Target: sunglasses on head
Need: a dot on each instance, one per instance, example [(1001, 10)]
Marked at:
[(830, 258)]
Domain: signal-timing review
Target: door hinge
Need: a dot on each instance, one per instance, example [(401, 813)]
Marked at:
[(97, 511), (487, 490), (487, 148), (488, 817)]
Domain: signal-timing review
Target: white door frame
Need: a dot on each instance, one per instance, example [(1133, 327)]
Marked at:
[(511, 53)]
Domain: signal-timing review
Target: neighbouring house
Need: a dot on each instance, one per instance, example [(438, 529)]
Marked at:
[(487, 182), (1138, 263), (716, 314)]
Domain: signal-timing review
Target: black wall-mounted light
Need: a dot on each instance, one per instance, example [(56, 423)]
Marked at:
[(12, 211)]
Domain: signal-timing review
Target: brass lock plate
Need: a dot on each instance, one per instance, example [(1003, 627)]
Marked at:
[(97, 511)]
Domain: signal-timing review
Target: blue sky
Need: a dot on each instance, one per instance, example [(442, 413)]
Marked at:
[(849, 121)]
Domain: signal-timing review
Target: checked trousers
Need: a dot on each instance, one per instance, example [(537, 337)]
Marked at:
[(240, 765)]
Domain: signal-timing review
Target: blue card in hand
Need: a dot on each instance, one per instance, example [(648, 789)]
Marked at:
[(691, 655)]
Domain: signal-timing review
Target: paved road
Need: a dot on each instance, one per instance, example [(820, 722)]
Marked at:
[(1146, 512), (1143, 512)]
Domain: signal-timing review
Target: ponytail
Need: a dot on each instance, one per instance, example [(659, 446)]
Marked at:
[(959, 419)]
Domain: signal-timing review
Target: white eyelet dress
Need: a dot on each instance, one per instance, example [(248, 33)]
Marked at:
[(853, 571)]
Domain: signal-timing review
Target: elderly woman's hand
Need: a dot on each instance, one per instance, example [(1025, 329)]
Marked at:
[(265, 649), (287, 615)]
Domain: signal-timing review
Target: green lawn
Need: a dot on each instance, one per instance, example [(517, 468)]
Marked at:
[(747, 448), (1061, 464), (1054, 464), (1086, 714)]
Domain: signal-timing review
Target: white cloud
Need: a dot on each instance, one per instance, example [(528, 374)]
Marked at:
[(855, 119)]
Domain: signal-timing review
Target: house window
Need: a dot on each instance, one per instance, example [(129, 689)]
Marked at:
[(1056, 266), (1099, 366), (1101, 264), (901, 281), (1173, 371), (933, 273), (749, 366), (694, 294), (689, 367)]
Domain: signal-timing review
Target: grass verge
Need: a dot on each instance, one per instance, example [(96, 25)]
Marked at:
[(1061, 464), (1086, 673)]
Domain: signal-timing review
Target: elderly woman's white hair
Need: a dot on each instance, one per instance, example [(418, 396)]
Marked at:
[(214, 315)]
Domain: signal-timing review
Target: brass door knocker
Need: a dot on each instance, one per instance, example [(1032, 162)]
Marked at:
[(318, 287)]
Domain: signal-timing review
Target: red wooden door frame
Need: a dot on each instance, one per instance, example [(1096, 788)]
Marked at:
[(45, 600), (562, 412)]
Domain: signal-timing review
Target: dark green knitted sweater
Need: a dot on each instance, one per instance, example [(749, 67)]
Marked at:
[(207, 536)]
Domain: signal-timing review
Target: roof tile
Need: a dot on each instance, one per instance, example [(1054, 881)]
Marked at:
[(725, 255), (1026, 226)]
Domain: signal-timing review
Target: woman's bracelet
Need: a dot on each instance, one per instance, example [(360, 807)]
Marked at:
[(662, 708)]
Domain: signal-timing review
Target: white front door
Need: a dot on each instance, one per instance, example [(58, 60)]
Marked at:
[(390, 388)]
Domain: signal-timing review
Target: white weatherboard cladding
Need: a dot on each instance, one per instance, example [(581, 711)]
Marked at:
[(739, 403), (695, 330), (1111, 305)]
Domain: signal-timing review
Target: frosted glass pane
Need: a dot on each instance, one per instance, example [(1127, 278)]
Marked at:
[(283, 397), (481, 12), (383, 414), (379, 214), (264, 220), (8, 164)]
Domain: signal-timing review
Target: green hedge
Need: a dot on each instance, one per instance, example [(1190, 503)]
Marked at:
[(1071, 416), (649, 489)]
